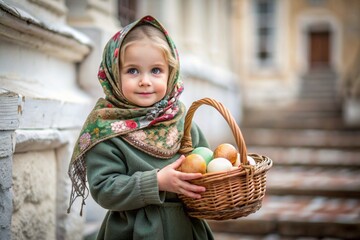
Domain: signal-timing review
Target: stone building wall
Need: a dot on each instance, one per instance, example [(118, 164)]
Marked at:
[(42, 109)]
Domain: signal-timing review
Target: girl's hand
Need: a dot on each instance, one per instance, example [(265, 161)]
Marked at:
[(171, 180)]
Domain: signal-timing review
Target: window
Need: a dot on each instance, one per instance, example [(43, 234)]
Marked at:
[(126, 11), (264, 32)]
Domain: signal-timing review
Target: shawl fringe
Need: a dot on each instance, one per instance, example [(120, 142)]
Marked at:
[(77, 174)]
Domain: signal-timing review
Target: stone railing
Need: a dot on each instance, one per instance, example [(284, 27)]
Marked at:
[(352, 79), (351, 93)]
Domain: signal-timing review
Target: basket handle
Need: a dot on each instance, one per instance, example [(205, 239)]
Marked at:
[(186, 142)]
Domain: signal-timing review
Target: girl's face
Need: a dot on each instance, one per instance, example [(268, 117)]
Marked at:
[(144, 73)]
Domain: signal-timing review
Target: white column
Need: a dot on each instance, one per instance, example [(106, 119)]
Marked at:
[(171, 16), (213, 30), (97, 19), (194, 26)]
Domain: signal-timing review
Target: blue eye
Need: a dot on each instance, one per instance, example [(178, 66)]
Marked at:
[(155, 71), (132, 71)]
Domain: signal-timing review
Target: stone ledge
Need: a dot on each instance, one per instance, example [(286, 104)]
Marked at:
[(61, 41), (18, 111), (57, 7), (38, 140), (48, 113)]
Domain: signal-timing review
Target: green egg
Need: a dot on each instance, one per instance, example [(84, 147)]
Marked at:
[(205, 152)]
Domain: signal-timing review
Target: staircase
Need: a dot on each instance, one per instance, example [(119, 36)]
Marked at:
[(313, 188)]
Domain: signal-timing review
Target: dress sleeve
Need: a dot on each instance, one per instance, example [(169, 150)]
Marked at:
[(112, 188)]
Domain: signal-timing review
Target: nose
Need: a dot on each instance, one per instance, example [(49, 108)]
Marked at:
[(145, 81)]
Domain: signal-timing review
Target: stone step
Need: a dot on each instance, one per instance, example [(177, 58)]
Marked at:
[(321, 88), (315, 105), (320, 81), (304, 113), (286, 217), (320, 75), (292, 112), (300, 105), (273, 236), (239, 236), (314, 181), (280, 122), (316, 85), (297, 156), (316, 94), (302, 138)]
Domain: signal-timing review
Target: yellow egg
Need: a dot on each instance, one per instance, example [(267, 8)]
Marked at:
[(219, 165)]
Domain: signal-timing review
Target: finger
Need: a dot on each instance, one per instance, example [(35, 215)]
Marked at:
[(190, 194), (189, 176), (192, 187), (178, 162)]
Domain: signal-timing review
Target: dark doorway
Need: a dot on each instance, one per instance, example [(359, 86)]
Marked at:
[(319, 49)]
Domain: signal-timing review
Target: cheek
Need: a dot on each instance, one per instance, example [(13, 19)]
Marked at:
[(126, 87), (161, 88)]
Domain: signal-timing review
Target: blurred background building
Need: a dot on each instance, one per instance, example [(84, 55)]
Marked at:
[(288, 71)]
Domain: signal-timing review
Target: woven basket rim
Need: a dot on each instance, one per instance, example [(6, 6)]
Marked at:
[(262, 165)]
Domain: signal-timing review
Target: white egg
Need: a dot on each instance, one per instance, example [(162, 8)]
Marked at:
[(219, 165), (251, 160)]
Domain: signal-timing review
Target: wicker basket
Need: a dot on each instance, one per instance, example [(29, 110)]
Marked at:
[(229, 195)]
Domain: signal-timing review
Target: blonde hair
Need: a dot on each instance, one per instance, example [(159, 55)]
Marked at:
[(158, 39)]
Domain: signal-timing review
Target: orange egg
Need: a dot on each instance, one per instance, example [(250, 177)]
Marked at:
[(193, 163), (226, 150)]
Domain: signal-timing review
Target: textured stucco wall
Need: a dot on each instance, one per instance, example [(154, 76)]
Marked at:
[(34, 186)]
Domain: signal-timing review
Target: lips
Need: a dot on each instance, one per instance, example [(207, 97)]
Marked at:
[(145, 93)]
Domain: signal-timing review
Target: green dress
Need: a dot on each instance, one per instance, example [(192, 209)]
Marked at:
[(123, 180)]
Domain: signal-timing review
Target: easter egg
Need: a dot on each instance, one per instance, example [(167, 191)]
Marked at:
[(205, 152), (251, 160), (219, 165), (226, 150), (238, 161), (193, 163)]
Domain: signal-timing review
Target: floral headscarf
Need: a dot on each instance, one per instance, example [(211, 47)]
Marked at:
[(156, 130)]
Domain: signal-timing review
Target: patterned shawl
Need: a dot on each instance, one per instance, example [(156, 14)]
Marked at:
[(156, 130)]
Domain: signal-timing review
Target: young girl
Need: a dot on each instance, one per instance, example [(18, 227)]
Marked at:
[(128, 147)]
